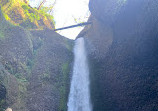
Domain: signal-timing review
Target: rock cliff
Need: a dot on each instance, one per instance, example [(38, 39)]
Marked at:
[(122, 46), (34, 68)]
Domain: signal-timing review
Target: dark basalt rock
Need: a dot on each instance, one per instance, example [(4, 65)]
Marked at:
[(2, 92), (123, 55), (34, 68), (2, 96)]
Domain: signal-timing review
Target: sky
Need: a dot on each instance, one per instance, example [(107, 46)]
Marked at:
[(66, 13)]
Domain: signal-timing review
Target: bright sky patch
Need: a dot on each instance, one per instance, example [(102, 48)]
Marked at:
[(67, 12)]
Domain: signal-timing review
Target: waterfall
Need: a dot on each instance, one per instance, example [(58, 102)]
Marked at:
[(79, 97)]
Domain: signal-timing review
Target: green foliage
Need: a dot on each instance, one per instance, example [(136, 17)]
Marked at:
[(64, 87), (20, 13), (6, 16), (22, 82), (25, 7), (44, 11), (31, 14), (4, 25), (20, 78), (2, 34)]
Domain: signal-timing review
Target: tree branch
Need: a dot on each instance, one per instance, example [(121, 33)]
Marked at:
[(72, 26)]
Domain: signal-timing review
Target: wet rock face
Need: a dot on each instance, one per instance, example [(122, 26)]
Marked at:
[(50, 75), (2, 92), (37, 70), (2, 96), (106, 10), (18, 44), (123, 65)]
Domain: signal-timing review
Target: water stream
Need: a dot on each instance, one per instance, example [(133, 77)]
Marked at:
[(79, 97)]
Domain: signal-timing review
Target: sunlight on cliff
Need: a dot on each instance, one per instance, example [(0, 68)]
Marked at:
[(66, 13)]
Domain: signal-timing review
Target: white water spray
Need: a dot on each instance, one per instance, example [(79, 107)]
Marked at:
[(79, 97)]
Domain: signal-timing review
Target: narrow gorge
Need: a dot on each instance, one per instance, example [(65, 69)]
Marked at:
[(111, 66)]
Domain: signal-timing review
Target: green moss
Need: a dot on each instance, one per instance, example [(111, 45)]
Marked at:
[(68, 44), (20, 13), (44, 77), (30, 64), (2, 104), (20, 78), (22, 86), (1, 35), (64, 87), (6, 16), (63, 99), (65, 68), (32, 14), (4, 25), (2, 21)]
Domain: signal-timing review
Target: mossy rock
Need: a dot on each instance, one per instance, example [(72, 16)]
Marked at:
[(2, 97), (18, 12)]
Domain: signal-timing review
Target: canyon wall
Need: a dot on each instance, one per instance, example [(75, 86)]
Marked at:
[(122, 46), (34, 68)]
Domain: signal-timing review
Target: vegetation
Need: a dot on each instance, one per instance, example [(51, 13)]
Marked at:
[(64, 87), (16, 14), (68, 45), (2, 104), (20, 13), (4, 25)]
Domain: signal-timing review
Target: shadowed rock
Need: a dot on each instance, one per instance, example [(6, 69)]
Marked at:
[(123, 55)]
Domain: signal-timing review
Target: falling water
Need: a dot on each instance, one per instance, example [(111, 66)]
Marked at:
[(79, 97)]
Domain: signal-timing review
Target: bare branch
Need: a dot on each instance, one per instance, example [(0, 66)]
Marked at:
[(41, 4)]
